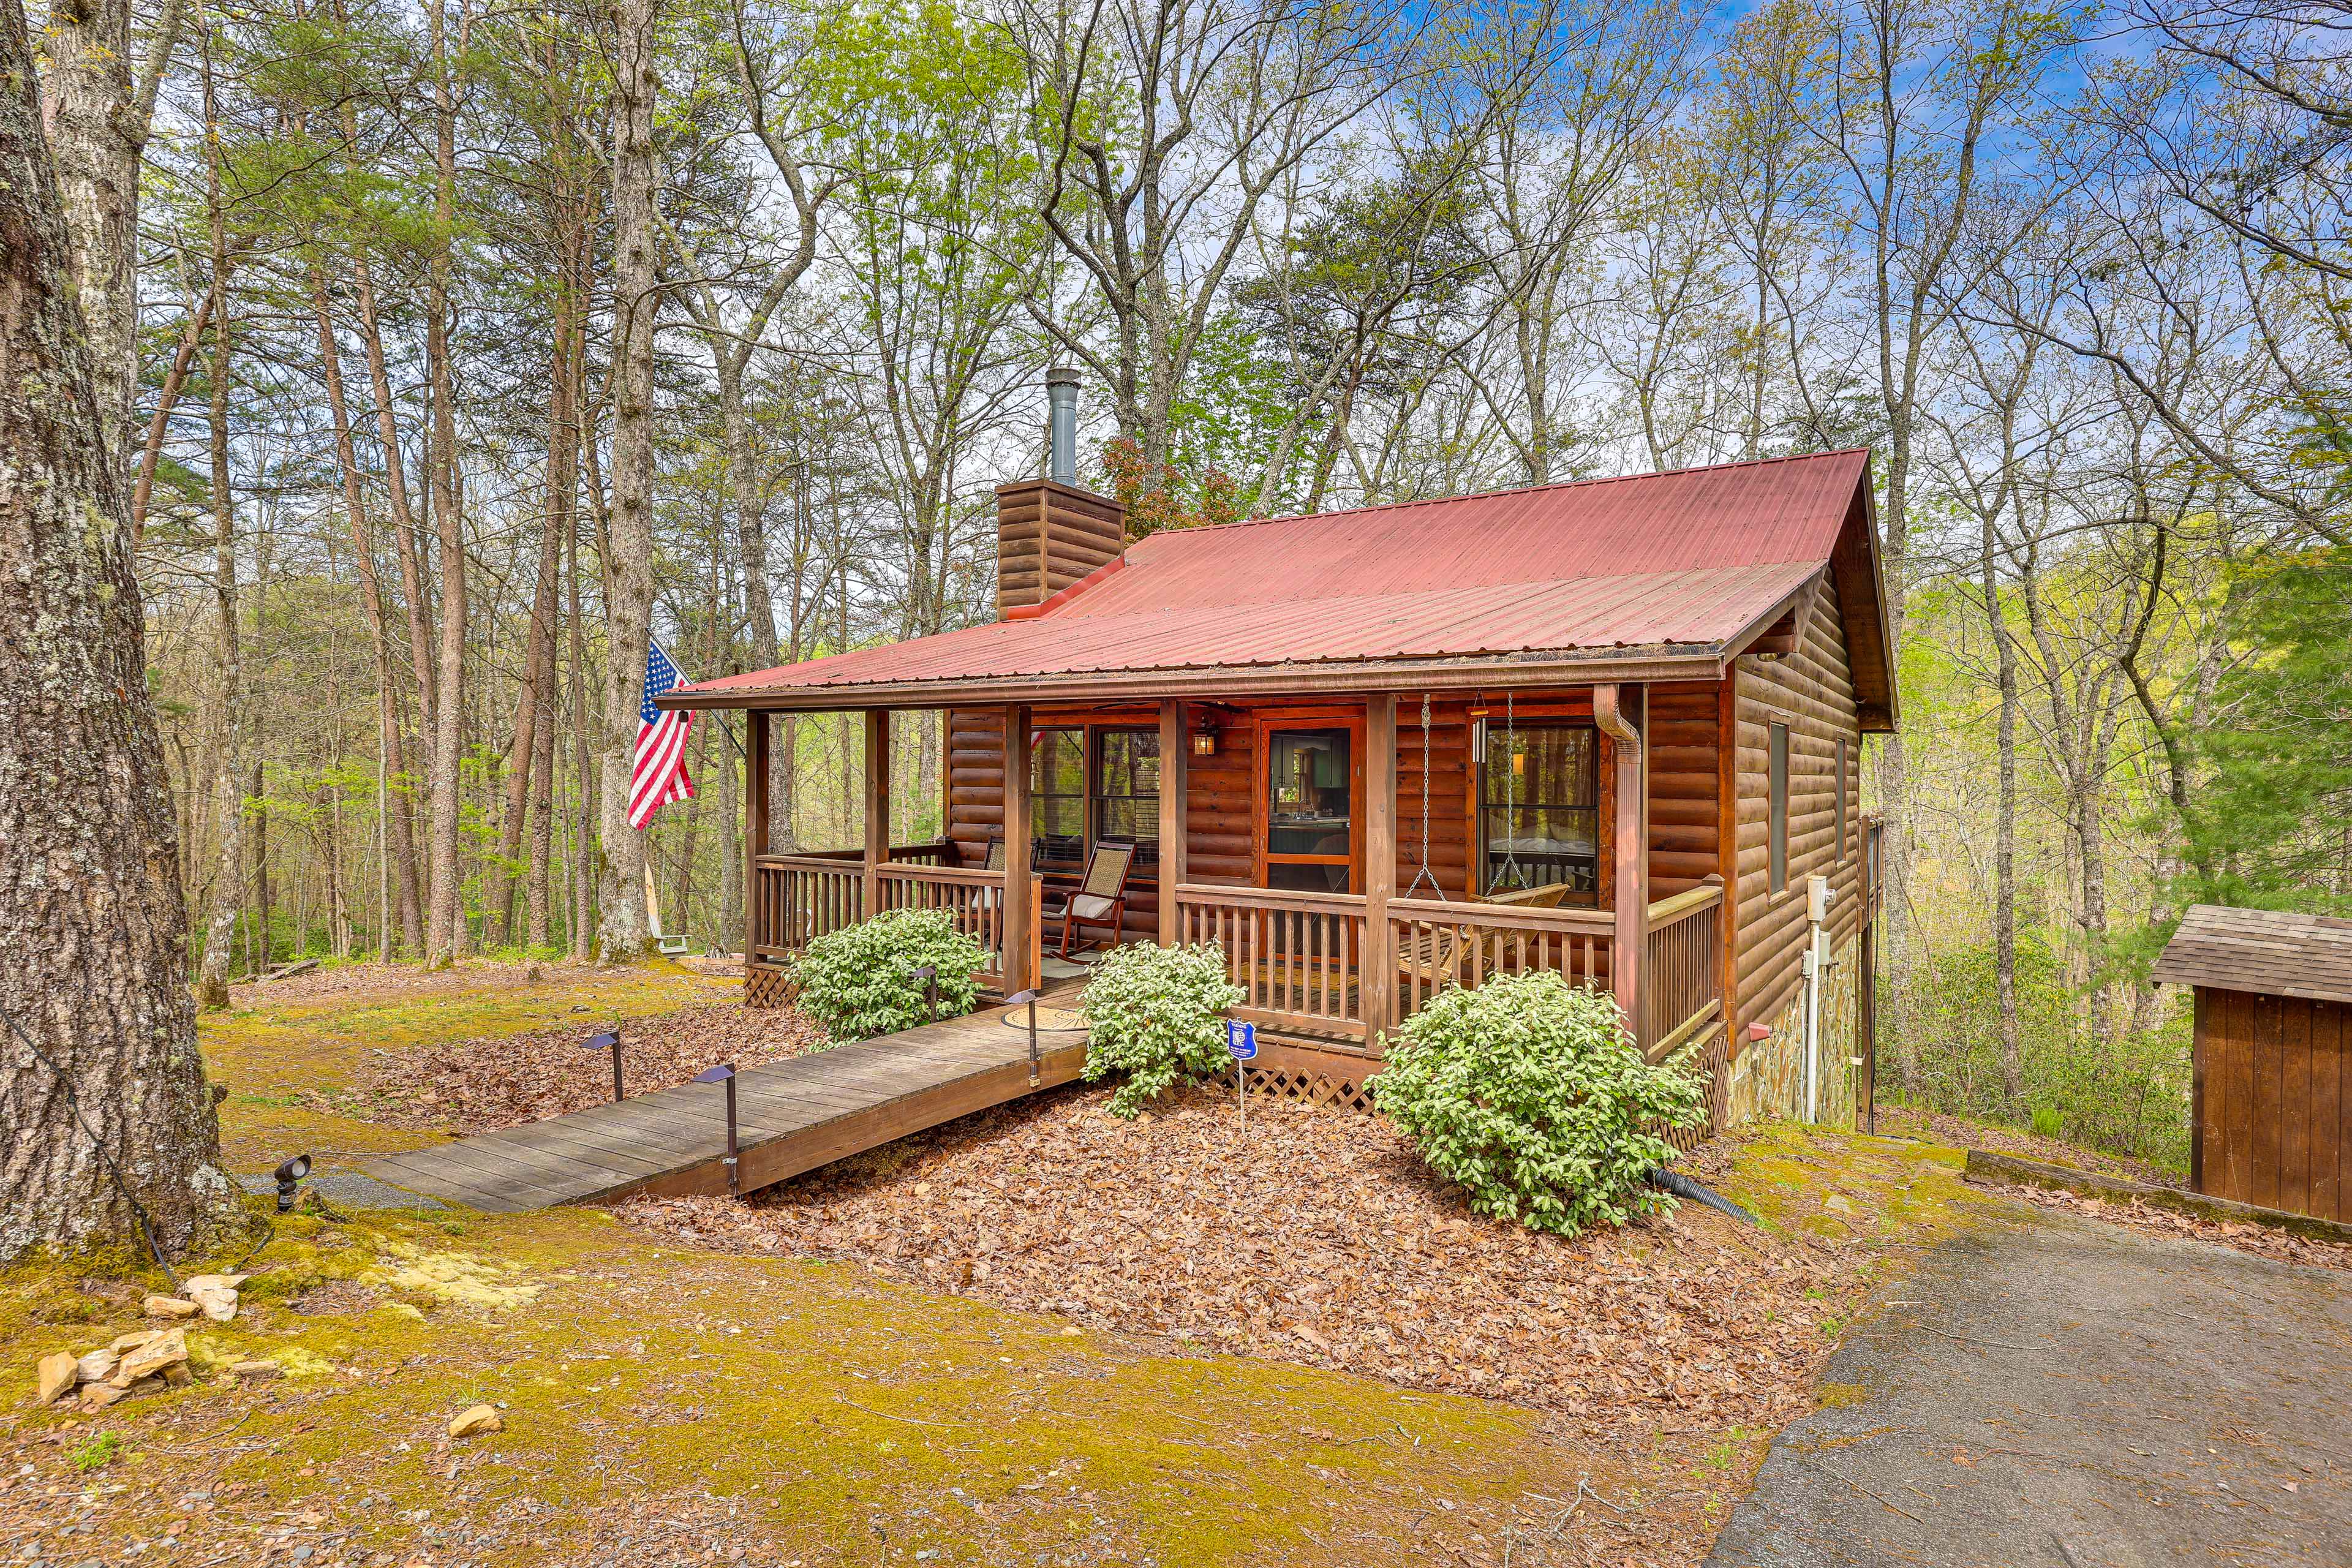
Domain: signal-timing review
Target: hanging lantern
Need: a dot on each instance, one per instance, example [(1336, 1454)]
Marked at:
[(1204, 739)]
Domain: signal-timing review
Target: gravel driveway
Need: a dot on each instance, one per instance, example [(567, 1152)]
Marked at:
[(2051, 1390)]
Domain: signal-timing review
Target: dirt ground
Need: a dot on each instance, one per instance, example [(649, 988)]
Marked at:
[(2051, 1389), (836, 1396)]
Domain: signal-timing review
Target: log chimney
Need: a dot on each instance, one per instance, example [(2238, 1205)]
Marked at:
[(1050, 532)]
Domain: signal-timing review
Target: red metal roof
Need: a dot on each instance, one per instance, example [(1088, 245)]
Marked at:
[(1675, 563)]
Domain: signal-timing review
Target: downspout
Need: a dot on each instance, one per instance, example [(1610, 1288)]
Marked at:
[(1632, 854), (1819, 895)]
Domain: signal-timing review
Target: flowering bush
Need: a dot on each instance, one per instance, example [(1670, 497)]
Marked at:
[(859, 982), (1157, 1015), (1532, 1095)]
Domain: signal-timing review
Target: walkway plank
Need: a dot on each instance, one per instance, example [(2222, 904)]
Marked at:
[(792, 1117)]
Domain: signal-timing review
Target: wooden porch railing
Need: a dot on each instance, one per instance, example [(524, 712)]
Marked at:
[(1682, 974), (1298, 957), (797, 897), (1440, 944), (972, 897)]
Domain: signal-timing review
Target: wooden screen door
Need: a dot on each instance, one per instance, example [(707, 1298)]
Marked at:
[(1308, 798)]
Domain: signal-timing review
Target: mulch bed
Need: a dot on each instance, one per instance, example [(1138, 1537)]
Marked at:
[(2263, 1240), (1322, 1241), (507, 1080)]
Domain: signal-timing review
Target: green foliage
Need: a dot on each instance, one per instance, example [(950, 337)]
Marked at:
[(97, 1453), (859, 982), (2127, 1093), (1532, 1095), (2276, 774), (1157, 1015)]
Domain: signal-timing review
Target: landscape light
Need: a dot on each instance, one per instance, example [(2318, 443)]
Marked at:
[(930, 976), (725, 1073), (290, 1174), (610, 1041), (1031, 998)]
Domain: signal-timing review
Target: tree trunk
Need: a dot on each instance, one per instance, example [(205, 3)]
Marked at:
[(628, 558), (91, 902), (87, 108), (228, 772), (445, 930), (2005, 853), (399, 849)]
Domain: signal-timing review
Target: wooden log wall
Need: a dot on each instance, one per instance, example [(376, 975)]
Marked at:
[(1685, 734), (1811, 692), (1048, 536)]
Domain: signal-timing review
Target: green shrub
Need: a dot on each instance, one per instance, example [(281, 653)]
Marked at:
[(1532, 1095), (859, 982), (1157, 1015)]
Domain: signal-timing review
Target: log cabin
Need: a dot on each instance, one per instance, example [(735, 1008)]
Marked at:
[(1610, 727)]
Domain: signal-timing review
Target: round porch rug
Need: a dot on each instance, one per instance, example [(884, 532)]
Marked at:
[(1050, 1020)]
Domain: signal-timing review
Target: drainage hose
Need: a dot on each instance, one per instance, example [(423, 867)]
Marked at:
[(1682, 1186)]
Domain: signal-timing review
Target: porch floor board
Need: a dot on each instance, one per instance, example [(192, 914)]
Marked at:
[(792, 1117)]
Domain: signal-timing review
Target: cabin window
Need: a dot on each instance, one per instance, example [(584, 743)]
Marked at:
[(1310, 844), (1778, 852), (1539, 809), (1841, 849), (1057, 797), (1126, 790)]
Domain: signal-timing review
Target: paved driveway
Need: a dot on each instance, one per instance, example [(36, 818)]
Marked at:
[(2056, 1391)]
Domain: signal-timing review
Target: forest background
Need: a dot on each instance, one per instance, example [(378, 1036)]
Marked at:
[(2079, 276)]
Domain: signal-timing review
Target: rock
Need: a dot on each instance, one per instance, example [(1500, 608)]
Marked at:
[(98, 1395), (169, 1348), (131, 1342), (217, 1294), (170, 1306), (253, 1369), (59, 1373), (477, 1419), (178, 1375), (99, 1364)]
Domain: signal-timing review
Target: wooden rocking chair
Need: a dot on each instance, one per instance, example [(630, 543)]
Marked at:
[(1101, 897), (1436, 955)]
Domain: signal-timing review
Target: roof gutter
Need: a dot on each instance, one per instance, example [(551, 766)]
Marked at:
[(1660, 662)]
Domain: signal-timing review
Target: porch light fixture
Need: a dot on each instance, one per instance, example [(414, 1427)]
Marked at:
[(1204, 739), (725, 1073)]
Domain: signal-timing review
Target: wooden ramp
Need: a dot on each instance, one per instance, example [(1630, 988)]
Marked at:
[(790, 1116)]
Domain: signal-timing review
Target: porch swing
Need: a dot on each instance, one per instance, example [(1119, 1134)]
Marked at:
[(1434, 956)]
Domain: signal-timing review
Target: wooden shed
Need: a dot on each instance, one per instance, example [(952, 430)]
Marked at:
[(2270, 1102), (1611, 728)]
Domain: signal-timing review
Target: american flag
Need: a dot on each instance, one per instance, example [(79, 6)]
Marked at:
[(659, 775)]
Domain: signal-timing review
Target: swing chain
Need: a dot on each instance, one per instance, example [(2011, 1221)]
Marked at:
[(1423, 874)]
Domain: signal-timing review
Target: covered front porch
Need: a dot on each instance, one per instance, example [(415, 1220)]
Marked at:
[(1352, 854)]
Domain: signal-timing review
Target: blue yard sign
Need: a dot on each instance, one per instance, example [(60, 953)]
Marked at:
[(1241, 1039)]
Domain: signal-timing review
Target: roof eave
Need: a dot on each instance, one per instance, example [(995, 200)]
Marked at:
[(1667, 661)]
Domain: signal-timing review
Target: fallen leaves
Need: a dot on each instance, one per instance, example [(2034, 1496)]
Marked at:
[(2265, 1241), (508, 1080), (1320, 1239)]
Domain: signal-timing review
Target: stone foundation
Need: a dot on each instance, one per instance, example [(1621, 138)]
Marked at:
[(1768, 1078)]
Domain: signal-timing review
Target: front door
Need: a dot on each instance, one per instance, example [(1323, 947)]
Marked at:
[(1309, 789)]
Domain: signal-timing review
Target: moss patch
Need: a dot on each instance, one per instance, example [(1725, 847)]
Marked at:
[(286, 1063)]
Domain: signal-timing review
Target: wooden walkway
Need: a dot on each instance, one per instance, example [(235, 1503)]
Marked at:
[(790, 1116)]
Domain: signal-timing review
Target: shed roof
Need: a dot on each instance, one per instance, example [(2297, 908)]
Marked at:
[(2266, 951), (1640, 577)]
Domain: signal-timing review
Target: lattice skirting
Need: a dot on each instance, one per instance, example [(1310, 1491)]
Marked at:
[(1316, 1077), (1713, 1062), (764, 986)]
